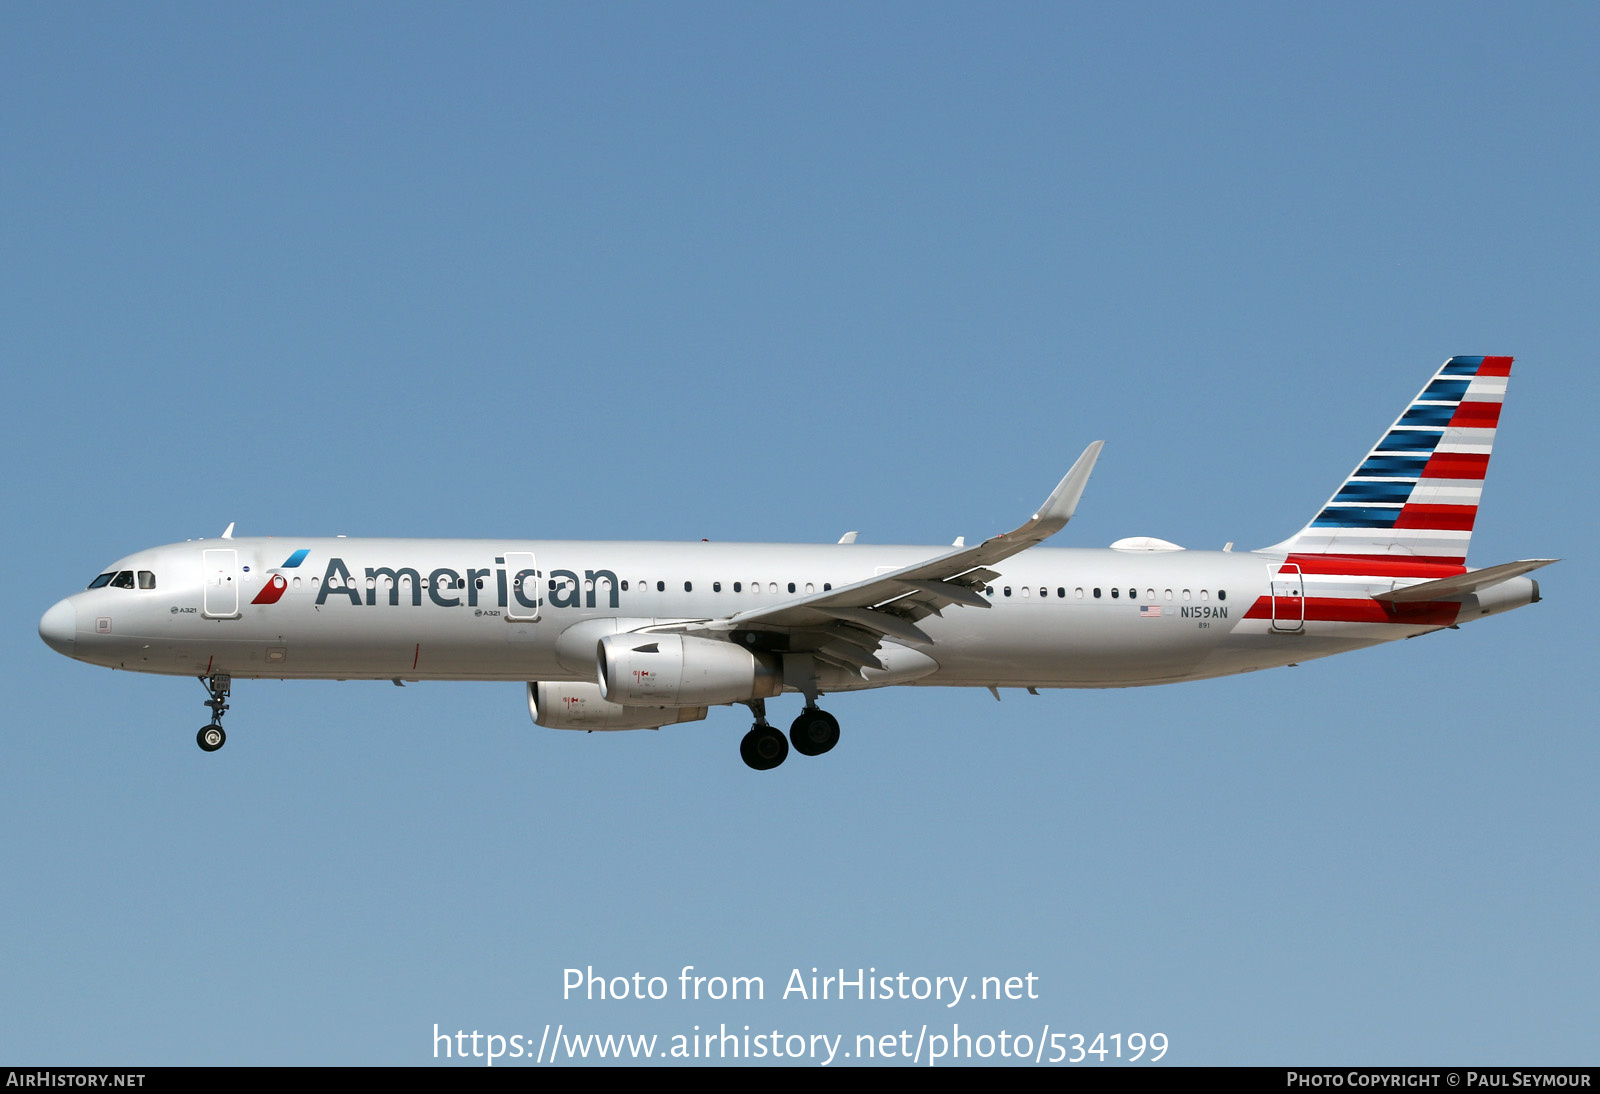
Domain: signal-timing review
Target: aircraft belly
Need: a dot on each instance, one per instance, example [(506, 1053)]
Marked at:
[(1090, 646), (417, 646)]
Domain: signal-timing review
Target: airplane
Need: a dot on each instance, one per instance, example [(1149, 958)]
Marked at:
[(640, 635)]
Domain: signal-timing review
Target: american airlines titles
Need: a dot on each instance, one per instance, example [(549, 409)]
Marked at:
[(444, 586)]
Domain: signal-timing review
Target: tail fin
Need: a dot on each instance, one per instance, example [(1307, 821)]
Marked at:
[(1415, 497)]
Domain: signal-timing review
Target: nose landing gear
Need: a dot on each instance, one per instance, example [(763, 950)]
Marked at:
[(210, 738)]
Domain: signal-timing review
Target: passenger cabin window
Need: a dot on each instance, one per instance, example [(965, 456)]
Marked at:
[(661, 586)]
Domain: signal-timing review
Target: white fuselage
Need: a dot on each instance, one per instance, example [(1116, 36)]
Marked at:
[(454, 610)]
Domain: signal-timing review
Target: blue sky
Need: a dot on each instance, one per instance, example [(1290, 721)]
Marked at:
[(773, 273)]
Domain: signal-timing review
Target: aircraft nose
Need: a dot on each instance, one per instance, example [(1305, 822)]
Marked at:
[(59, 627)]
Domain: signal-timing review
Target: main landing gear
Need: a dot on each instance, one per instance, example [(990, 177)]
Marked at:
[(765, 747), (210, 738), (814, 732)]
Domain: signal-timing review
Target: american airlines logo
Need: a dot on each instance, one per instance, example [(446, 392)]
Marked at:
[(277, 583)]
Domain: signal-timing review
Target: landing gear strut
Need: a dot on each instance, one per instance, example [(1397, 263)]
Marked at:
[(217, 685), (764, 747)]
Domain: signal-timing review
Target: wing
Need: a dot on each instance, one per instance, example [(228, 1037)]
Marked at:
[(846, 625)]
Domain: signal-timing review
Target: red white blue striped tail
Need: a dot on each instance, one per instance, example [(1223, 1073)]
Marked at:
[(1415, 497)]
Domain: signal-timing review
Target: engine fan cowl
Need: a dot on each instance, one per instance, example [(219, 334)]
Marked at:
[(581, 706), (679, 670)]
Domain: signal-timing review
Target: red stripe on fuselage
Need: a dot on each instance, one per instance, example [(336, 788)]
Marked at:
[(1377, 565), (1330, 609)]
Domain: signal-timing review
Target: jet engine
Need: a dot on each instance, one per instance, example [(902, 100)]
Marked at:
[(674, 669), (580, 706)]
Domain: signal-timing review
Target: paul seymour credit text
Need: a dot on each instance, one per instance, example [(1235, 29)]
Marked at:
[(922, 1043)]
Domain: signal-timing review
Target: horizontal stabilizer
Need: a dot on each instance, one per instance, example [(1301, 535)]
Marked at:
[(1461, 584)]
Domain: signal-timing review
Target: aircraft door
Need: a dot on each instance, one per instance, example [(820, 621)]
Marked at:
[(220, 573), (522, 603), (1288, 600)]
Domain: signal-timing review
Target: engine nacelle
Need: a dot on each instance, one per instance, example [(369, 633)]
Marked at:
[(581, 706), (673, 670)]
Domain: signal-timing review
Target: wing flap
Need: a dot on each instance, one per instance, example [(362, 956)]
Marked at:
[(849, 655), (885, 623)]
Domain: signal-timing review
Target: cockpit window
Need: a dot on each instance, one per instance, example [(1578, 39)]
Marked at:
[(102, 581), (123, 580), (147, 580)]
